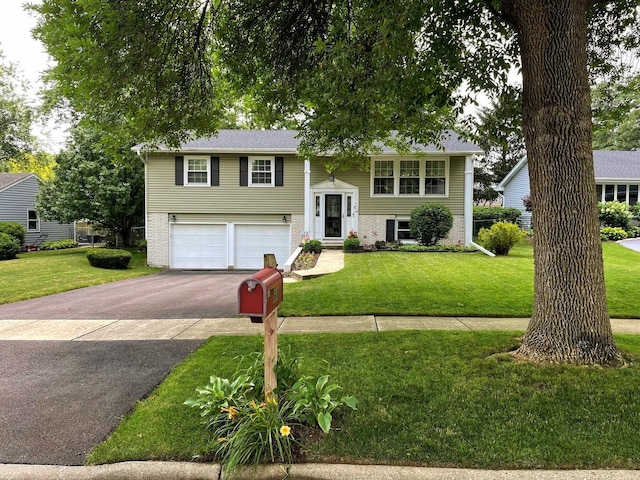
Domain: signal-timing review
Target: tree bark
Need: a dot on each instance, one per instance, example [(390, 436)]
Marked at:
[(570, 321)]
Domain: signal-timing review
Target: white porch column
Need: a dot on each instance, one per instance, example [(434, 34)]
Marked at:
[(468, 200)]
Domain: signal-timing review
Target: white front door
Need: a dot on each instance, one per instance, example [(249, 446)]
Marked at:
[(335, 214)]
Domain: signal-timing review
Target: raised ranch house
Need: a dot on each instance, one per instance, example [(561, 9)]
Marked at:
[(617, 175), (17, 204), (225, 201)]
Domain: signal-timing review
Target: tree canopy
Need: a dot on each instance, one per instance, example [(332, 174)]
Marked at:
[(91, 184), (616, 114), (16, 114), (498, 131)]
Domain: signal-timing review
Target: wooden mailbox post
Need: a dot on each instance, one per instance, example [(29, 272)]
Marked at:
[(258, 298)]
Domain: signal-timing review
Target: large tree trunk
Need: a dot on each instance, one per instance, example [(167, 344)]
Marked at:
[(570, 321)]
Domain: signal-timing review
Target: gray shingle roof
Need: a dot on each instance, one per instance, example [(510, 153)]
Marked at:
[(8, 179), (287, 141), (616, 165)]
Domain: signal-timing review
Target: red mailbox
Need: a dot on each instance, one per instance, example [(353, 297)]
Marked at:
[(260, 294)]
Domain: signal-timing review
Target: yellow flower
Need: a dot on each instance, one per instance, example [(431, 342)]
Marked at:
[(231, 410), (285, 431), (222, 439)]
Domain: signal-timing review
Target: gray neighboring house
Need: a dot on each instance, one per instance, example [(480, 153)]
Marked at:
[(17, 204), (617, 175)]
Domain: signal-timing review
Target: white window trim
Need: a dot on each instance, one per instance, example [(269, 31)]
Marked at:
[(272, 161), (616, 183), (186, 171), (33, 230), (396, 177)]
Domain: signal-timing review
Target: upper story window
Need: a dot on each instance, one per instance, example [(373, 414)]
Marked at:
[(33, 221), (435, 178), (409, 177), (261, 171), (383, 179), (197, 171), (416, 177)]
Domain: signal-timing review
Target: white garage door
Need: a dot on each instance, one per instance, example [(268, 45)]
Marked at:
[(253, 241), (199, 246)]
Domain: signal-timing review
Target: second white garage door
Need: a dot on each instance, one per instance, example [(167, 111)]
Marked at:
[(253, 241)]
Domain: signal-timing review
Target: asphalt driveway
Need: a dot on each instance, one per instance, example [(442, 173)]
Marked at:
[(60, 399), (169, 294)]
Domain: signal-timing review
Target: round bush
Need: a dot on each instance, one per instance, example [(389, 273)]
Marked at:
[(312, 246), (109, 258), (9, 247), (430, 222), (615, 214), (500, 237), (351, 244), (14, 229)]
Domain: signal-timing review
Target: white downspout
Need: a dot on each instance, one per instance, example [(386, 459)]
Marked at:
[(307, 196), (468, 200), (468, 207)]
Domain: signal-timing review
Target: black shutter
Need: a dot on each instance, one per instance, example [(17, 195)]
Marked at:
[(244, 171), (279, 171), (215, 171), (391, 230), (179, 170)]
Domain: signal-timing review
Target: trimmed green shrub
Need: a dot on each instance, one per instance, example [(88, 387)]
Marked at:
[(9, 246), (615, 214), (430, 222), (612, 233), (500, 237), (109, 258), (352, 245), (633, 232), (312, 246), (352, 242), (484, 217), (14, 229), (58, 245)]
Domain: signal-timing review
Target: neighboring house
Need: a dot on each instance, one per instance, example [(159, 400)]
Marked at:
[(17, 204), (617, 175), (222, 202)]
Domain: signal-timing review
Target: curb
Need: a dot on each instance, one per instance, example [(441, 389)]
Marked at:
[(201, 471)]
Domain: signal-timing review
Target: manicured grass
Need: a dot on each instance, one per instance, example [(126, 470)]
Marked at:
[(37, 274), (448, 284), (430, 398)]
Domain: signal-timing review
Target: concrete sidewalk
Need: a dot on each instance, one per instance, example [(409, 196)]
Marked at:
[(194, 329), (200, 471)]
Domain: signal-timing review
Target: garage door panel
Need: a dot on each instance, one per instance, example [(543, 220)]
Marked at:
[(253, 241), (199, 246)]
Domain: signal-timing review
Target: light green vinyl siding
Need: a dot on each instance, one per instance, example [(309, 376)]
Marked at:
[(227, 198), (397, 205)]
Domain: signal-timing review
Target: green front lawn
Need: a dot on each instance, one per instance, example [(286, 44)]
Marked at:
[(448, 284), (36, 274), (430, 398)]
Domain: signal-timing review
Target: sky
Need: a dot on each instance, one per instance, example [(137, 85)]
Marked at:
[(21, 49)]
